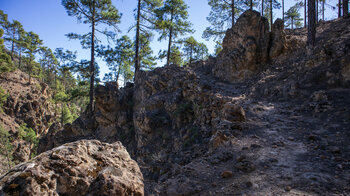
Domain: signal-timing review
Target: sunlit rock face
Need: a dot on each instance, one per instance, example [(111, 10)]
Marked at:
[(86, 167), (247, 46)]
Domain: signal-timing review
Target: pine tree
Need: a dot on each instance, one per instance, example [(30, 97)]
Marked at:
[(339, 8), (49, 66), (5, 25), (147, 60), (189, 48), (93, 12), (274, 4), (345, 8), (66, 116), (305, 10), (145, 20), (20, 46), (120, 58), (323, 8), (32, 46), (194, 50), (222, 16), (67, 61), (311, 34), (176, 56), (6, 63), (172, 22), (283, 10), (15, 29), (293, 17), (218, 48)]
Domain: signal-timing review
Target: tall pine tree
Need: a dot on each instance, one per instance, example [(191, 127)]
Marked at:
[(172, 22), (32, 47), (345, 8), (119, 59), (194, 50), (311, 34), (293, 17), (92, 12), (145, 20), (222, 16)]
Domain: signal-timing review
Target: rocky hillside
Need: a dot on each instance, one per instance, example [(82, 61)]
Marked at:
[(26, 104), (266, 117)]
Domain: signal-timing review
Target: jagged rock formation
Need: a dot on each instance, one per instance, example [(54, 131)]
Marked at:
[(28, 104), (247, 46), (86, 167), (282, 130)]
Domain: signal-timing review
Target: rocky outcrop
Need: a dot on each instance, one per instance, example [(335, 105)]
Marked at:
[(278, 42), (247, 46), (86, 167), (166, 113), (26, 103)]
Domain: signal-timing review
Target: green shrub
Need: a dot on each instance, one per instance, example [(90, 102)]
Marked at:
[(67, 116), (6, 147), (3, 97), (29, 135)]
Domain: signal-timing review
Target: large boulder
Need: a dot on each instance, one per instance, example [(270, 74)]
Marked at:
[(85, 167), (245, 46), (278, 39), (248, 46)]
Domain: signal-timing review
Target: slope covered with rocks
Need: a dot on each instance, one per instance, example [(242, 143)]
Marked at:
[(27, 105), (263, 118)]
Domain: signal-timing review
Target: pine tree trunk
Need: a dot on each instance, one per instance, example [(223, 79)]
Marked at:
[(20, 58), (283, 11), (271, 17), (292, 24), (305, 4), (191, 54), (62, 114), (92, 63), (311, 34), (137, 59), (323, 2), (262, 7), (13, 44), (117, 77), (339, 9), (233, 12), (345, 8), (30, 70), (316, 11), (251, 4), (169, 46), (170, 38)]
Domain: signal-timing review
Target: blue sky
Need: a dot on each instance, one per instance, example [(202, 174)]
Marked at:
[(50, 21)]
